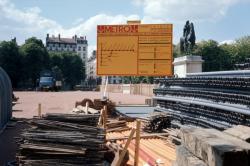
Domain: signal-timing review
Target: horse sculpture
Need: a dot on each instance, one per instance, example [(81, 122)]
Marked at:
[(187, 41)]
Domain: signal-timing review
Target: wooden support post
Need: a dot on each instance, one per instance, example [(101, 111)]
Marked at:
[(125, 148), (39, 110), (100, 121), (104, 116), (137, 142), (87, 107)]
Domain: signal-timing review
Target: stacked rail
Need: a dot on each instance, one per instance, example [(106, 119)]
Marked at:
[(210, 102)]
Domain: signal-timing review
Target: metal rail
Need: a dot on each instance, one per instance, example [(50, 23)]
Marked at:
[(205, 94), (197, 121), (226, 107), (234, 73)]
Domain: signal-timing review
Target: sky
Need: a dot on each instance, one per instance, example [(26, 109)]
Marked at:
[(220, 20)]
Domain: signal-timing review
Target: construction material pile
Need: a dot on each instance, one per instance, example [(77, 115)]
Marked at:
[(84, 110), (98, 104), (63, 139), (116, 125), (157, 122), (210, 147), (213, 100)]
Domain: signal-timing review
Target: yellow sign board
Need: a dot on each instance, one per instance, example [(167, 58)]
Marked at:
[(134, 50)]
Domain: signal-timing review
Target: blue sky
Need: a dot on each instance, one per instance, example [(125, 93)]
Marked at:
[(221, 20)]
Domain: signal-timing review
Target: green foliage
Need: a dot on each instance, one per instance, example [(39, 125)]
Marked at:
[(176, 50), (242, 49), (36, 59), (137, 80), (220, 57), (24, 64), (71, 66), (11, 61), (210, 51)]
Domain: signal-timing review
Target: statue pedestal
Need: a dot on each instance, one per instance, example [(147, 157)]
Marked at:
[(187, 64)]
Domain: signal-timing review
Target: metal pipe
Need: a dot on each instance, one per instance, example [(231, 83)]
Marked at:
[(206, 103)]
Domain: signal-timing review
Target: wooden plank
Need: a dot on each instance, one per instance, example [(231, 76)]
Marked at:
[(137, 142), (61, 148), (118, 163), (100, 121), (142, 136)]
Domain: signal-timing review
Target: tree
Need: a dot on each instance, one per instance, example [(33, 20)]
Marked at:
[(227, 53), (242, 49), (176, 50), (70, 65), (210, 52), (36, 59), (11, 61), (56, 59), (72, 68)]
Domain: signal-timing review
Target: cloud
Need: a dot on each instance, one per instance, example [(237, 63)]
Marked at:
[(227, 42), (30, 22), (181, 10)]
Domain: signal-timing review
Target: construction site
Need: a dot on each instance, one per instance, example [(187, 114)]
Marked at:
[(185, 118)]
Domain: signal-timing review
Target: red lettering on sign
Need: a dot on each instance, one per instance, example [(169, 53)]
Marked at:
[(117, 28)]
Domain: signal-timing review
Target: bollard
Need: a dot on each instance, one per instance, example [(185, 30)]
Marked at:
[(39, 110), (87, 107), (104, 116)]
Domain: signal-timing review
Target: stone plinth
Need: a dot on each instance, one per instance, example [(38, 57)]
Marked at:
[(185, 158), (216, 148), (241, 132), (187, 64)]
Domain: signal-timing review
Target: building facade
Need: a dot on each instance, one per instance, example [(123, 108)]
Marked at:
[(75, 44), (92, 78), (92, 73), (91, 66)]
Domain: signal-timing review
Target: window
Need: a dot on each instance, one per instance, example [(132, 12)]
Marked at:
[(45, 79), (84, 48), (79, 48)]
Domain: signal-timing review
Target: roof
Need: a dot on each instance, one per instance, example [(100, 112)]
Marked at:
[(61, 40)]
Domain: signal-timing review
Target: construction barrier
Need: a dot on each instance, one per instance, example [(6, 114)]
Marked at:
[(135, 89), (5, 98)]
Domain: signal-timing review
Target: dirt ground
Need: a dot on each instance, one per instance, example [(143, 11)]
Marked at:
[(8, 145), (63, 102), (52, 102)]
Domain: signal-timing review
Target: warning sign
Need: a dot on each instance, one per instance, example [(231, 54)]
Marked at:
[(138, 50)]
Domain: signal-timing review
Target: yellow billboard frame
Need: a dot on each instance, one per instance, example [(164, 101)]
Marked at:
[(135, 50)]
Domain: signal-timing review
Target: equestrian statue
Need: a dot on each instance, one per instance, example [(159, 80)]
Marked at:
[(187, 41)]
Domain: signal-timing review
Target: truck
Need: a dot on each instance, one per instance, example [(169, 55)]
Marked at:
[(49, 81)]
